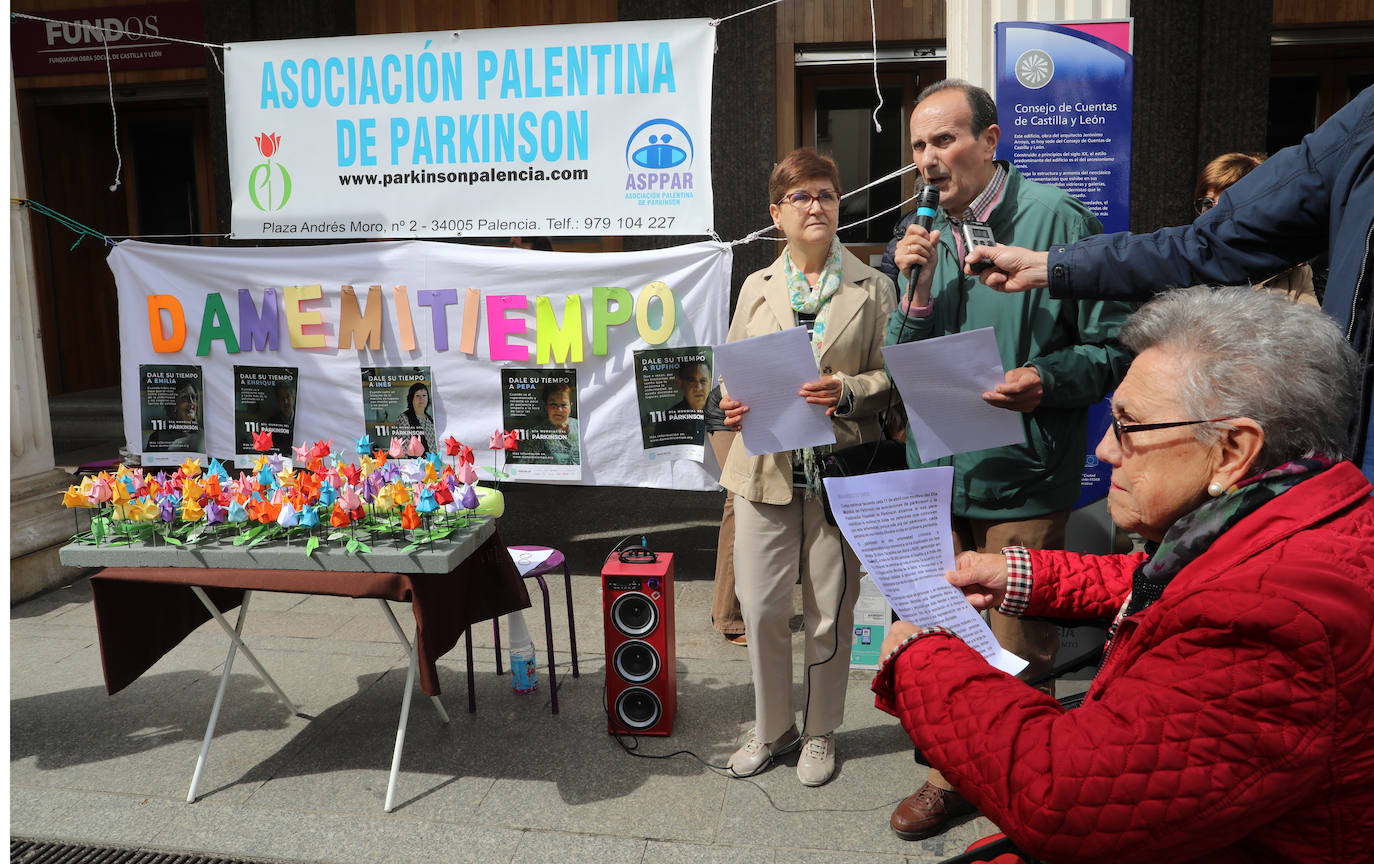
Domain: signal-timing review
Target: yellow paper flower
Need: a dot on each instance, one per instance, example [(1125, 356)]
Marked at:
[(431, 476), (191, 467), (287, 478), (191, 490), (259, 464), (367, 465), (87, 483), (191, 511), (143, 511), (399, 493), (74, 497), (383, 502)]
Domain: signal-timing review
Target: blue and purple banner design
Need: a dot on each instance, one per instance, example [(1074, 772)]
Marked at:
[(1064, 105)]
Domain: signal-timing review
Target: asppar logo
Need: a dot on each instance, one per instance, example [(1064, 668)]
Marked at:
[(658, 157), (269, 183)]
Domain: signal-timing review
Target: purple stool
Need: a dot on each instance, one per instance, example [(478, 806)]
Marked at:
[(548, 565)]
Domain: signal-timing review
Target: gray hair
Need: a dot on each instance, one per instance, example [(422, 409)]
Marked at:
[(1249, 353), (979, 102)]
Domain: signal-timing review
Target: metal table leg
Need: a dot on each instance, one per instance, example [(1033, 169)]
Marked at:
[(238, 643), (234, 643)]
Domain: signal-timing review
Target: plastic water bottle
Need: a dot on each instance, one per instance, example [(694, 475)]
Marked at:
[(524, 677)]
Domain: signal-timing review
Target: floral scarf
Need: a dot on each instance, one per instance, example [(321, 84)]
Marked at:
[(813, 301), (1194, 533)]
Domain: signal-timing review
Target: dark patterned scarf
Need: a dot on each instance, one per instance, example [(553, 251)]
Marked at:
[(1194, 533)]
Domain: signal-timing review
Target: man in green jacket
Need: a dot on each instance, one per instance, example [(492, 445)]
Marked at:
[(1061, 356)]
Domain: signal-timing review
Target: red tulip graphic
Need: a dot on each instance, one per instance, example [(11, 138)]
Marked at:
[(268, 143)]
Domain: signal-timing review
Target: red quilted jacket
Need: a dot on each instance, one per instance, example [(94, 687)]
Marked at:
[(1233, 720)]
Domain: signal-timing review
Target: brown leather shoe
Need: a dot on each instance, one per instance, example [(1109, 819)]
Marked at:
[(928, 812)]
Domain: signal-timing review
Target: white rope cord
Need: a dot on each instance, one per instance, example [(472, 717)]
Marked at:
[(716, 22), (873, 33), (114, 116), (211, 46)]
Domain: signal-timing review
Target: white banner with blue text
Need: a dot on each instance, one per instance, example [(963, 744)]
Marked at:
[(437, 324), (571, 130)]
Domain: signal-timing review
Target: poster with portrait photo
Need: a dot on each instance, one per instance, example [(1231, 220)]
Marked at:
[(398, 402), (672, 385), (173, 413), (541, 405), (264, 401)]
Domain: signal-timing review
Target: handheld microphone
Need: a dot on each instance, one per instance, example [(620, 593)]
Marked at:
[(926, 203)]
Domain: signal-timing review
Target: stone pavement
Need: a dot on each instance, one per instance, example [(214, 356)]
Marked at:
[(510, 783)]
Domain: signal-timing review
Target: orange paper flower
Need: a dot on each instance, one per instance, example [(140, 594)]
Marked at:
[(409, 518)]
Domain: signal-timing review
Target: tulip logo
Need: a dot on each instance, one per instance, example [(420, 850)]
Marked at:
[(260, 181)]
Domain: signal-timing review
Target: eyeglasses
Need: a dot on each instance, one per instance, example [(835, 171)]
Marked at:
[(1119, 429), (1202, 205), (802, 200), (559, 406)]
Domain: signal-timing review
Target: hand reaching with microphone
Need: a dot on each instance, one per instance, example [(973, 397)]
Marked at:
[(917, 249), (1012, 269)]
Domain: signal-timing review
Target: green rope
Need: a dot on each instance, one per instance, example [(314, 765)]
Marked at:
[(81, 231)]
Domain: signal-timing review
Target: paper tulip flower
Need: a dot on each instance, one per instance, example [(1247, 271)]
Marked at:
[(302, 454), (410, 518), (339, 517), (452, 446), (364, 446), (427, 502), (74, 498), (214, 514), (192, 490), (512, 440), (212, 487), (366, 465), (469, 499), (191, 511), (266, 476), (237, 512), (465, 456), (382, 500), (399, 493), (287, 478), (397, 448), (498, 441), (431, 476), (328, 494), (262, 441), (309, 518), (167, 509), (191, 467), (414, 472), (275, 462), (100, 489), (467, 475), (321, 449), (351, 474), (442, 495), (217, 470), (143, 511), (348, 499), (415, 448), (287, 517)]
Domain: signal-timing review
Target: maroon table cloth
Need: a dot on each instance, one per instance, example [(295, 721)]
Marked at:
[(144, 612)]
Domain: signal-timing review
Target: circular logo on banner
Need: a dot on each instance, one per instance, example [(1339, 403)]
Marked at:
[(1034, 69)]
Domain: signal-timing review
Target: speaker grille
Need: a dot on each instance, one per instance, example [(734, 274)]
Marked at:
[(638, 708), (634, 614), (636, 661)]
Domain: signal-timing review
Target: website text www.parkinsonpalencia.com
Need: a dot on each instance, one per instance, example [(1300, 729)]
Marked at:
[(490, 175)]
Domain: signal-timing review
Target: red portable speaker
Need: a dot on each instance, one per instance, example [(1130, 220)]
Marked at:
[(641, 657)]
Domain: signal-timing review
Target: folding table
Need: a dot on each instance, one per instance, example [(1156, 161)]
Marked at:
[(149, 598)]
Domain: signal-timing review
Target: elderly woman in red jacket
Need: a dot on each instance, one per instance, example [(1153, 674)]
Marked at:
[(1231, 716)]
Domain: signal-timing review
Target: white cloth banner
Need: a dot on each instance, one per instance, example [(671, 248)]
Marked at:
[(579, 129), (464, 313)]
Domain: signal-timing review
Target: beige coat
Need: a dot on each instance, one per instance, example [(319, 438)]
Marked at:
[(855, 332)]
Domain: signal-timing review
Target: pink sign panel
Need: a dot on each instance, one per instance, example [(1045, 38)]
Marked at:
[(135, 36)]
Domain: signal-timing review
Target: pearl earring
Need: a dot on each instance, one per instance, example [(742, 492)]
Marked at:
[(1215, 490)]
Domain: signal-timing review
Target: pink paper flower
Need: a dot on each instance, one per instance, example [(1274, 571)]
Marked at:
[(396, 449), (415, 448)]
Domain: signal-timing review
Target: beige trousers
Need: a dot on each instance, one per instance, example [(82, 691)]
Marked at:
[(725, 615), (773, 542), (1034, 641)]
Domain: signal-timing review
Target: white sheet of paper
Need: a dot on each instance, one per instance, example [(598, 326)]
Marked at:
[(528, 559), (897, 522), (765, 373), (942, 381)]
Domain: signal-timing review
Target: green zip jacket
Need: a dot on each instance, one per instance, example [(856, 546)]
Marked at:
[(1071, 343)]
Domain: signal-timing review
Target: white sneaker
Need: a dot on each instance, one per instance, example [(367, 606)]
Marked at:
[(816, 765), (757, 754)]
